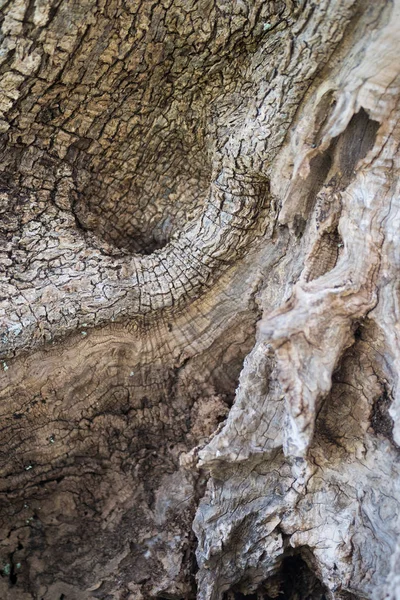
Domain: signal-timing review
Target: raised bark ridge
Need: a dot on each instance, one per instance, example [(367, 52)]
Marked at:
[(172, 172)]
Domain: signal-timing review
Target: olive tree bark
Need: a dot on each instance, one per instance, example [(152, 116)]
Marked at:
[(200, 302)]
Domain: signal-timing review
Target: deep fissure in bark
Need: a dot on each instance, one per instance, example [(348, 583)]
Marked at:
[(294, 579)]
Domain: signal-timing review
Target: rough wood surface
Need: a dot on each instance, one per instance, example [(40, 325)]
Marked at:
[(199, 308)]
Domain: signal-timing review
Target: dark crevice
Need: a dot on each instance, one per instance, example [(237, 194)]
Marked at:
[(344, 151), (336, 165), (325, 255), (299, 582), (381, 421), (9, 569), (295, 580), (353, 145), (13, 575), (357, 332)]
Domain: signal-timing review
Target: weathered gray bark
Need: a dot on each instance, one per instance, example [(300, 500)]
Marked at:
[(199, 299)]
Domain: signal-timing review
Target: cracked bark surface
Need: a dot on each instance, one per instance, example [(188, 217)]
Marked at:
[(199, 304)]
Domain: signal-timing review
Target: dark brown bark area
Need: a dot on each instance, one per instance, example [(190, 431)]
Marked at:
[(107, 464), (172, 173)]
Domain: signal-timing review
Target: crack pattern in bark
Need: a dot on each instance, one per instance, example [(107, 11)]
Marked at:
[(188, 126)]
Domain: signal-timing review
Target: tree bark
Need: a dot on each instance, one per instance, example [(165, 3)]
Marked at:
[(199, 309)]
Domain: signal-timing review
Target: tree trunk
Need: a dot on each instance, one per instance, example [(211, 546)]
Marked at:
[(200, 303)]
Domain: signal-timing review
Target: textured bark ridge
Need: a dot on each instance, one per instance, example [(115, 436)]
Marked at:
[(199, 309)]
